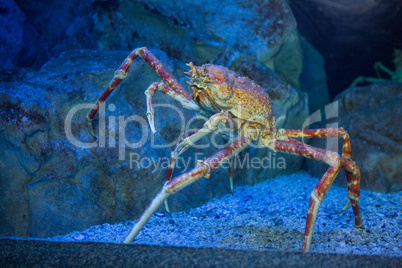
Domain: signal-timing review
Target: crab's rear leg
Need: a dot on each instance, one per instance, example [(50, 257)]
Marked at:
[(204, 168), (353, 178), (322, 133), (352, 170), (172, 87), (333, 160)]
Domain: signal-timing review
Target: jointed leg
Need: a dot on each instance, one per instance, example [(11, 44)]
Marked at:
[(352, 170), (189, 138), (353, 178), (322, 133), (231, 169), (333, 160), (204, 168), (192, 136), (209, 126), (172, 87), (162, 87), (379, 66), (365, 79), (173, 157)]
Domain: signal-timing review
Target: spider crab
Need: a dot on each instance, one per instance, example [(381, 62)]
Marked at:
[(238, 105), (395, 76)]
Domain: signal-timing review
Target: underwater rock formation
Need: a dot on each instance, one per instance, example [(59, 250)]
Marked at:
[(11, 33), (51, 186), (370, 114), (49, 28), (222, 32)]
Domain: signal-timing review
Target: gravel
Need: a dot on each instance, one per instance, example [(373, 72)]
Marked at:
[(270, 216)]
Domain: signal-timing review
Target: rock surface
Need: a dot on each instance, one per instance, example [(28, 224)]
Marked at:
[(223, 32), (370, 114), (51, 27), (11, 33), (51, 184)]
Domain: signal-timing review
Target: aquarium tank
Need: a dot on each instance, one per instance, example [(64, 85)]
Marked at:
[(187, 133)]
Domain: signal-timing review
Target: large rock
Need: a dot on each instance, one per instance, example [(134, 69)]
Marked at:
[(51, 27), (55, 179), (223, 32), (12, 21), (370, 114)]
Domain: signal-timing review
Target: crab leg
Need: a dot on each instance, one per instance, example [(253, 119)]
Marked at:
[(209, 126), (204, 168), (173, 88), (352, 170), (189, 138), (364, 79), (353, 178), (173, 159), (231, 168), (322, 133), (333, 160), (173, 156), (379, 66)]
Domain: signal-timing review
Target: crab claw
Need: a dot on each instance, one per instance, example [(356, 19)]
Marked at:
[(91, 128), (150, 107), (150, 113), (167, 208)]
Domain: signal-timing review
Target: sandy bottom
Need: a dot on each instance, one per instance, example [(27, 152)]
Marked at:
[(262, 217)]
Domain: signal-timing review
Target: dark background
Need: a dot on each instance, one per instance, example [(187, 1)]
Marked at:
[(351, 35)]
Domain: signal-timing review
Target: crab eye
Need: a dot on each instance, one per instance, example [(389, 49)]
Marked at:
[(204, 72)]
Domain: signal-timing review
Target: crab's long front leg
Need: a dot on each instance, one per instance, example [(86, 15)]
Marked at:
[(172, 87), (352, 170), (204, 168), (333, 160)]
